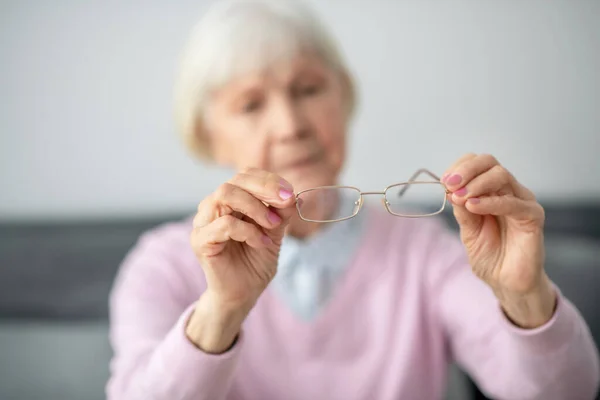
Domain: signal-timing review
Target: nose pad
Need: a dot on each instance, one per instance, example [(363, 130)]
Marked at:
[(385, 202), (358, 204)]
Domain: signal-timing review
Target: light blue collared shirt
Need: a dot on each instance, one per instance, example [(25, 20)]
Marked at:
[(308, 269)]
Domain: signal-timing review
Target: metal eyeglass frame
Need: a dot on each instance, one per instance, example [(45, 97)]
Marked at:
[(360, 201)]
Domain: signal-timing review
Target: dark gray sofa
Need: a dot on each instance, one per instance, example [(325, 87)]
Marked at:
[(55, 278)]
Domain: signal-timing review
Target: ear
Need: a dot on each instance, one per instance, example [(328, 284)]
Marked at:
[(204, 135), (348, 92), (198, 142), (215, 149)]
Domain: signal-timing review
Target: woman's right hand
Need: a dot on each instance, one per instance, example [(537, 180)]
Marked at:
[(236, 238)]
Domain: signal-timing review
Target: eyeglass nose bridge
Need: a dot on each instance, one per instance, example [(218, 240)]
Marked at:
[(381, 193), (383, 200)]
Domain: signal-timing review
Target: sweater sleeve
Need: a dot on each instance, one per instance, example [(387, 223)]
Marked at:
[(558, 360), (150, 305)]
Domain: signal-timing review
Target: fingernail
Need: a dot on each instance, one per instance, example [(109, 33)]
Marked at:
[(473, 200), (266, 240), (273, 217), (461, 192), (285, 194), (285, 184), (444, 177), (454, 179)]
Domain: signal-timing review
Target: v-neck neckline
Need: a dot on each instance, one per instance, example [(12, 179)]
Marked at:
[(350, 279)]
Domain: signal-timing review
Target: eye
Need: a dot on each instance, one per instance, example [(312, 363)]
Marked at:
[(251, 106), (310, 89), (307, 90)]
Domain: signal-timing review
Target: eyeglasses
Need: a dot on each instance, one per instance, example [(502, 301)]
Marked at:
[(400, 199)]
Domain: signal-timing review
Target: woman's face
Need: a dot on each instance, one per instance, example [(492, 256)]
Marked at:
[(289, 119)]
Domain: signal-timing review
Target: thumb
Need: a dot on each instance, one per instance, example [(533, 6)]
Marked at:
[(276, 234), (469, 223)]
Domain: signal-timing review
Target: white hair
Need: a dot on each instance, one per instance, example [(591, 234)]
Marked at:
[(239, 36)]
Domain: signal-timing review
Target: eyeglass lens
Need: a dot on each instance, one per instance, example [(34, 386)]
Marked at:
[(333, 203)]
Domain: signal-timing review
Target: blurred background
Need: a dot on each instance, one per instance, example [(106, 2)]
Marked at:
[(89, 157)]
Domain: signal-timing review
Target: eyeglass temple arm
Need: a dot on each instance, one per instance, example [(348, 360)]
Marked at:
[(415, 175)]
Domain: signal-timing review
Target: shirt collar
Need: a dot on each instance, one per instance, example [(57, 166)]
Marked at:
[(328, 248)]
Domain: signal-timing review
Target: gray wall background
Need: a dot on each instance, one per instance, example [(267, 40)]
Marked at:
[(86, 116), (86, 124)]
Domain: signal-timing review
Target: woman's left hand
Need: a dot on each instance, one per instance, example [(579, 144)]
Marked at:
[(501, 227)]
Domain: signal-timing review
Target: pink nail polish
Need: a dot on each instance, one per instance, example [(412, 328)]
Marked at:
[(274, 218), (285, 184), (285, 194), (461, 192), (473, 200), (454, 179), (444, 177)]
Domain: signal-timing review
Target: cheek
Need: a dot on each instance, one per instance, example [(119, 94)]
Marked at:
[(251, 154), (239, 154), (331, 132), (232, 147)]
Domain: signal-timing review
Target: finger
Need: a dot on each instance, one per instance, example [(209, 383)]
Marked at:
[(228, 199), (468, 222), (522, 192), (464, 172), (487, 183), (210, 239), (509, 206), (276, 234), (206, 212), (265, 186), (462, 159)]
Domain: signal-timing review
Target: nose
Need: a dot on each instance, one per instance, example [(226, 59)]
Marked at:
[(287, 120)]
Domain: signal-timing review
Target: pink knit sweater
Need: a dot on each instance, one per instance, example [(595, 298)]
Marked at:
[(407, 306)]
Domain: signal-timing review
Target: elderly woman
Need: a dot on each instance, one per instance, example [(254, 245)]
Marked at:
[(285, 286)]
